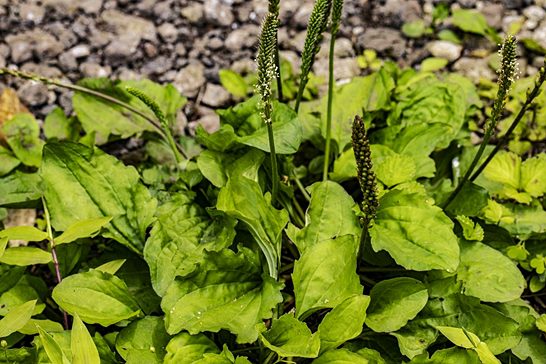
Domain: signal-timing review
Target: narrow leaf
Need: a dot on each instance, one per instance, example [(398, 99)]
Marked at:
[(83, 348), (82, 229), (16, 318)]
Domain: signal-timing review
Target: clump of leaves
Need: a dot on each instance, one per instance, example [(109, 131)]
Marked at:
[(214, 256)]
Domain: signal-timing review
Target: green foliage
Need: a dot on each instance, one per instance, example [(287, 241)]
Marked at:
[(252, 250)]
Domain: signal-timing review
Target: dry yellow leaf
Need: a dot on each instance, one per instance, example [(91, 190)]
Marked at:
[(10, 105)]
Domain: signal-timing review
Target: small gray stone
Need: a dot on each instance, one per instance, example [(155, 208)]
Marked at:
[(39, 43), (444, 49), (157, 66), (90, 69), (215, 96), (395, 12), (301, 17), (474, 68), (539, 34), (244, 37), (383, 40), (219, 11), (168, 32), (33, 93), (210, 122), (190, 79), (70, 7), (32, 13), (535, 13), (345, 68), (194, 12), (130, 30), (68, 62), (80, 51), (493, 14), (41, 69)]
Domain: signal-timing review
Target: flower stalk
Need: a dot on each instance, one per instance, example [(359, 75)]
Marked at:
[(317, 25), (337, 8), (507, 73)]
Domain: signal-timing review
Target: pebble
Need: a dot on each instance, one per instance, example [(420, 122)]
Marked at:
[(244, 37), (90, 69), (168, 32), (194, 12), (32, 13), (215, 96), (70, 7), (33, 93), (34, 42), (80, 51), (219, 11), (386, 41), (474, 68), (189, 80), (444, 49)]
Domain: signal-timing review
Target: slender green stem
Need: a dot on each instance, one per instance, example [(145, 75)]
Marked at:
[(531, 95), (54, 256), (274, 167), (298, 98), (506, 78), (301, 187), (329, 110), (88, 91)]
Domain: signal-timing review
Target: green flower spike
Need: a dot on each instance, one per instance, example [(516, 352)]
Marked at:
[(366, 176)]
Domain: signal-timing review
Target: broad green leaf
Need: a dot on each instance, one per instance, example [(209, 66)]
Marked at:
[(146, 335), (533, 175), (27, 233), (31, 328), (414, 29), (83, 348), (344, 356), (81, 183), (394, 302), (182, 231), (417, 235), (468, 340), (111, 267), (233, 82), (105, 118), (290, 337), (370, 93), (488, 274), (470, 201), (394, 169), (57, 125), (188, 349), (20, 190), (433, 64), (325, 275), (82, 229), (52, 348), (473, 22), (225, 285), (498, 331), (242, 199), (22, 133), (330, 214), (16, 318), (217, 167), (8, 161), (243, 124), (107, 299), (26, 288), (471, 230), (541, 323), (343, 323), (3, 245), (452, 355), (25, 255)]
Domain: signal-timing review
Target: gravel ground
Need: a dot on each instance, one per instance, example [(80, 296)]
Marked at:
[(186, 42)]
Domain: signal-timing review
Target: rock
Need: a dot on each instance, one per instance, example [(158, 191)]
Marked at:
[(168, 32), (474, 68), (210, 122), (162, 10), (130, 30), (194, 12), (539, 34), (345, 68), (301, 17), (244, 37), (219, 11), (215, 96), (70, 7), (383, 40), (395, 13), (119, 51), (157, 66), (493, 14), (32, 13), (91, 69), (64, 35), (535, 13), (444, 49), (33, 93), (41, 69), (34, 42), (190, 79), (68, 62), (80, 51), (343, 48)]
